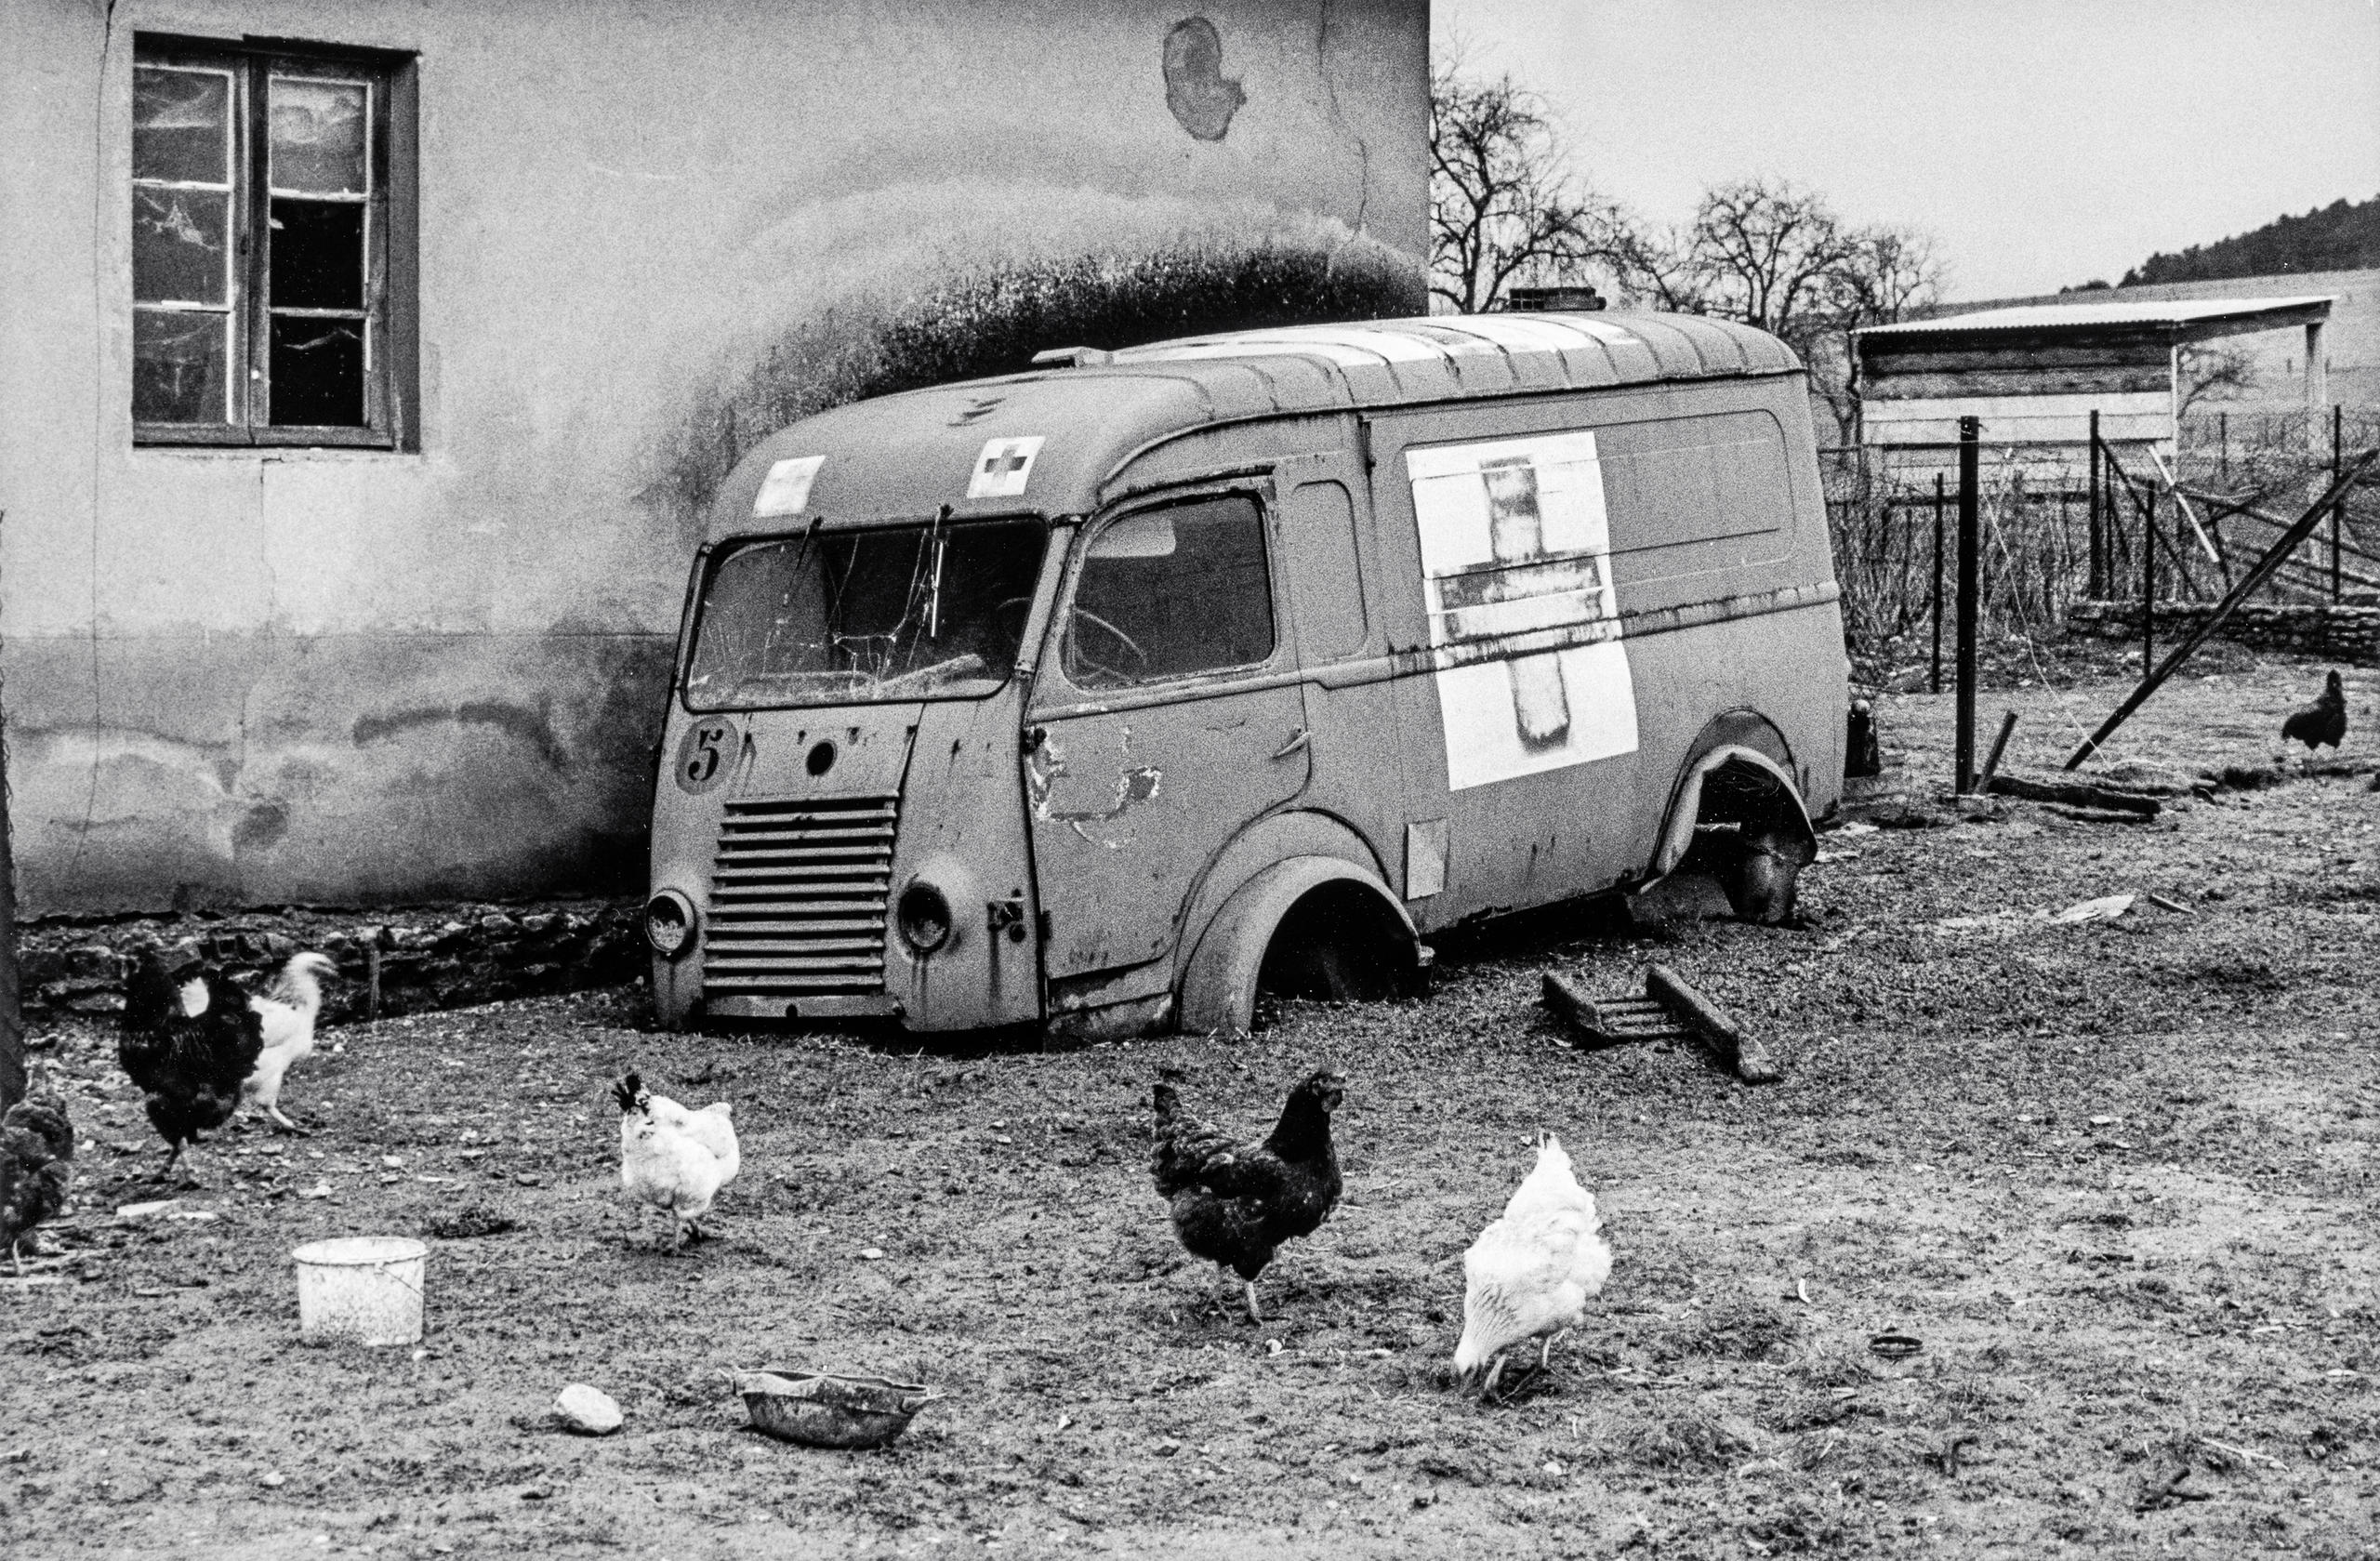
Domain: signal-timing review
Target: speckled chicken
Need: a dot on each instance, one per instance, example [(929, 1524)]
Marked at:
[(37, 1166), (1531, 1272), (2324, 721), (675, 1159), (1234, 1203), (190, 1040)]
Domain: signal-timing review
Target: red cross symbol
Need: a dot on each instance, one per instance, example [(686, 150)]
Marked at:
[(1015, 460)]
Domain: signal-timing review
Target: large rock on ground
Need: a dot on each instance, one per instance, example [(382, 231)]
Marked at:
[(588, 1410)]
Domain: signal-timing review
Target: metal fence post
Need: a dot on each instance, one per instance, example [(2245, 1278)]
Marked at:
[(1970, 559), (1937, 582), (2148, 584), (2099, 561), (2338, 511)]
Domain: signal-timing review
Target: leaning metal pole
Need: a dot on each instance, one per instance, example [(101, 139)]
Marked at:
[(2279, 552)]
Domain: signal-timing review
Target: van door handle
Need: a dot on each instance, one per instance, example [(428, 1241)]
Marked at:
[(1298, 739)]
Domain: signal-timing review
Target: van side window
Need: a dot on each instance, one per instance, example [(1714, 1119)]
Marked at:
[(1169, 592)]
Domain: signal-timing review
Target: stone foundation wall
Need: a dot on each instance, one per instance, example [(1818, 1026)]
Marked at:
[(390, 962), (2344, 632)]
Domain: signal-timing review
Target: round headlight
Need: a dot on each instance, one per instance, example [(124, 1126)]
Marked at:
[(670, 923), (924, 916)]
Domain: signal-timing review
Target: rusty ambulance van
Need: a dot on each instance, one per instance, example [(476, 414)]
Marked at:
[(1101, 697)]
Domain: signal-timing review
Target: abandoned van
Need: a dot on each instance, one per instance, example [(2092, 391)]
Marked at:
[(1105, 695)]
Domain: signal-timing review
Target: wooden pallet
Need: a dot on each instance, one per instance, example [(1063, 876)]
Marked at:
[(1670, 1010)]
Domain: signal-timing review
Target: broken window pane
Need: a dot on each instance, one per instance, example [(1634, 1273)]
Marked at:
[(182, 123), (1173, 591), (910, 612), (317, 372), (318, 138), (177, 365), (181, 245), (317, 255)]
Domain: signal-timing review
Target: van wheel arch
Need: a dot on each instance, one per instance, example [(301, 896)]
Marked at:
[(1312, 923), (1736, 810)]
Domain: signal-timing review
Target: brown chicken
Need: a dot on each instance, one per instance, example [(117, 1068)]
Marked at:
[(1234, 1203)]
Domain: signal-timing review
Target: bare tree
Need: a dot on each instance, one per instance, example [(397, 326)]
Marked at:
[(1768, 254), (1890, 273), (1503, 209), (1775, 255), (2215, 374)]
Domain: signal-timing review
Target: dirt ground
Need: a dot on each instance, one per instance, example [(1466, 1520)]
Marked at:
[(2116, 1177)]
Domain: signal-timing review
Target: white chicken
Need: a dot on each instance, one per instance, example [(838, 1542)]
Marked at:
[(673, 1159), (1530, 1275), (286, 1014)]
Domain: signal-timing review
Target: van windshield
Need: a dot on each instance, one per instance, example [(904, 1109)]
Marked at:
[(925, 611)]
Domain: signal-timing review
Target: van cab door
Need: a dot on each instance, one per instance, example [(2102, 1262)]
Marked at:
[(1167, 717)]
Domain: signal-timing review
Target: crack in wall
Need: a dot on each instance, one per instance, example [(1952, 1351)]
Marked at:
[(1338, 114)]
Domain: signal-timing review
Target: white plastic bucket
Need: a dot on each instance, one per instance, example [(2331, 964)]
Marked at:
[(359, 1289)]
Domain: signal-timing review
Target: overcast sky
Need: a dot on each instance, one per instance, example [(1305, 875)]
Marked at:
[(2044, 142)]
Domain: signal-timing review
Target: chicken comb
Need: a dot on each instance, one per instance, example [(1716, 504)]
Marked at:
[(627, 1092)]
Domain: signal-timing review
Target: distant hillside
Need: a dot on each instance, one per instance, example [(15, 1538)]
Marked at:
[(2342, 236)]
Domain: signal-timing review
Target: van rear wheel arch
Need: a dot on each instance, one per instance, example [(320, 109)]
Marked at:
[(1309, 926), (1737, 812)]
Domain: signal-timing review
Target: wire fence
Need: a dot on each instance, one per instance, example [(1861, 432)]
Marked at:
[(1896, 554), (2183, 532)]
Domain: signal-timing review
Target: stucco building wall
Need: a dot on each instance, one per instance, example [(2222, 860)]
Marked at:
[(260, 676)]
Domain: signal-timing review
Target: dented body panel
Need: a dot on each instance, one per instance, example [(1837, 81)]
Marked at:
[(1454, 615)]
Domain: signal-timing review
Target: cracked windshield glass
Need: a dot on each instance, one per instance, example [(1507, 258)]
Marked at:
[(930, 610)]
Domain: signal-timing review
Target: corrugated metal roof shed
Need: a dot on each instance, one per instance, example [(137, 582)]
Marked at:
[(2043, 377), (2179, 320)]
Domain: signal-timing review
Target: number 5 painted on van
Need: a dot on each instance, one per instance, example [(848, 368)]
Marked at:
[(706, 755)]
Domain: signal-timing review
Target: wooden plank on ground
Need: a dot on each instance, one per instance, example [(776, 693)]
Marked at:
[(1743, 1052)]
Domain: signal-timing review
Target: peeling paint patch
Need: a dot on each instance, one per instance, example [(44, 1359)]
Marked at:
[(1137, 783)]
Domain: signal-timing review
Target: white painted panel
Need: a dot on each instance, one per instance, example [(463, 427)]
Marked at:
[(785, 490), (1515, 538), (1535, 713)]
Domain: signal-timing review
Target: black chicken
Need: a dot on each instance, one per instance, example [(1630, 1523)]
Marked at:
[(1234, 1203), (36, 1163), (189, 1041), (2324, 721)]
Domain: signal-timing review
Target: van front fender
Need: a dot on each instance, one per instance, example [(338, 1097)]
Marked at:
[(1218, 995)]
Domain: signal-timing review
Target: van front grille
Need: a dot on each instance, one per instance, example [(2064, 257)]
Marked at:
[(798, 896)]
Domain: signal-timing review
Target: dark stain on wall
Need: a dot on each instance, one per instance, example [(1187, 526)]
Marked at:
[(1201, 97), (534, 727), (259, 828), (993, 322)]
